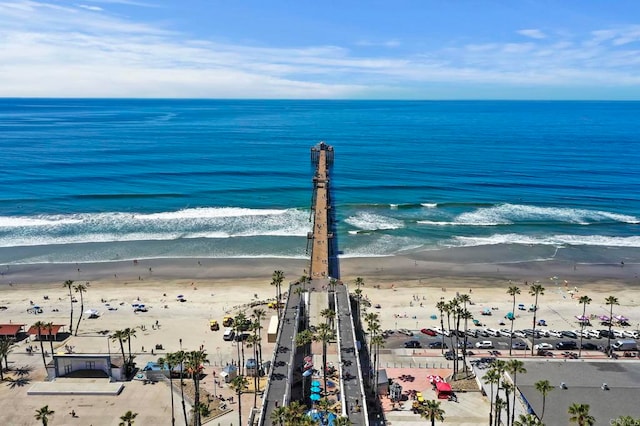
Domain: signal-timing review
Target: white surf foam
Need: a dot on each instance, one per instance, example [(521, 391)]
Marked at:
[(553, 240), (372, 222), (506, 214)]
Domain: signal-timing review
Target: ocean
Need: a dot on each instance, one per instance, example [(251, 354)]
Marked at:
[(87, 180)]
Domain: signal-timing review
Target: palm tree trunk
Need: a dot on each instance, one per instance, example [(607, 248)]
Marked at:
[(239, 407), (512, 319), (44, 360), (533, 337), (71, 314), (50, 342), (173, 411), (196, 385), (184, 407), (81, 312), (256, 382), (491, 407), (515, 391)]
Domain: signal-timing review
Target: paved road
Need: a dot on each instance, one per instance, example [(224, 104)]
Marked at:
[(282, 368), (352, 376)]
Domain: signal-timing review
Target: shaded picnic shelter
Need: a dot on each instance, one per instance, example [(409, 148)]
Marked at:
[(11, 331), (46, 332)]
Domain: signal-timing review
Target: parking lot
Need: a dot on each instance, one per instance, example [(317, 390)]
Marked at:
[(480, 340)]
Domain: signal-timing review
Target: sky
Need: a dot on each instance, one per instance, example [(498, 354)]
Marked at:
[(322, 49)]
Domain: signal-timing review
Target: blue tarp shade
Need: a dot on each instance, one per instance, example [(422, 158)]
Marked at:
[(314, 397)]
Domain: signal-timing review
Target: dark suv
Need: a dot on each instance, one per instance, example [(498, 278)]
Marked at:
[(566, 345)]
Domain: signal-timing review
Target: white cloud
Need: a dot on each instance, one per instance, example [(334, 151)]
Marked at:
[(92, 8), (533, 33), (52, 50)]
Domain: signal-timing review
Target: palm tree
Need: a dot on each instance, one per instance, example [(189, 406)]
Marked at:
[(527, 420), (5, 348), (180, 358), (508, 388), (431, 410), (120, 336), (239, 384), (611, 300), (170, 362), (127, 418), (359, 282), (276, 280), (378, 342), (41, 325), (49, 327), (130, 332), (43, 415), (258, 316), (512, 291), (278, 415), (69, 285), (466, 315), (514, 367), (252, 342), (500, 405), (240, 324), (342, 421), (328, 315), (500, 367), (535, 290), (584, 300), (194, 365), (80, 288), (544, 387), (580, 415), (492, 377), (324, 334), (441, 306)]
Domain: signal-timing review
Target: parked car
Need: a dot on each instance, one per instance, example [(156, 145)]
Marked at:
[(569, 334), (519, 333), (461, 344), (438, 345), (412, 344), (566, 345), (632, 334), (406, 332), (595, 334), (519, 345), (485, 344), (428, 332), (543, 346), (472, 333), (618, 334), (585, 335), (606, 333), (555, 333), (450, 355), (589, 346)]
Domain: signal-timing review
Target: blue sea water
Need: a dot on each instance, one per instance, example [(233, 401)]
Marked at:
[(100, 180)]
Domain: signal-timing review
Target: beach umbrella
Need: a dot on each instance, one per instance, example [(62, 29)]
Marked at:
[(582, 318), (180, 296), (314, 397), (604, 318), (315, 383), (621, 318), (315, 389)]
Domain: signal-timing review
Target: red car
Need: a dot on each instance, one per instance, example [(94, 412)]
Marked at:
[(428, 332)]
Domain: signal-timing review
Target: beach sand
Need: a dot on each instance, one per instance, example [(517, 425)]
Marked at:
[(214, 287)]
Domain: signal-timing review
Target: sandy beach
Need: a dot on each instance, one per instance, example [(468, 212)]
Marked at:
[(407, 289)]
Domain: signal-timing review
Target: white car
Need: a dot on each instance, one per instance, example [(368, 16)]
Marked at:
[(519, 333), (485, 344), (555, 333), (441, 331), (617, 333), (585, 334), (543, 346), (595, 334), (630, 333)]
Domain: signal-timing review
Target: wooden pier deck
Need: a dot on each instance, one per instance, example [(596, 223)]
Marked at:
[(321, 233)]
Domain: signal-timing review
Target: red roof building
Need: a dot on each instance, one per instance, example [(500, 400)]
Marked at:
[(45, 332), (10, 330)]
